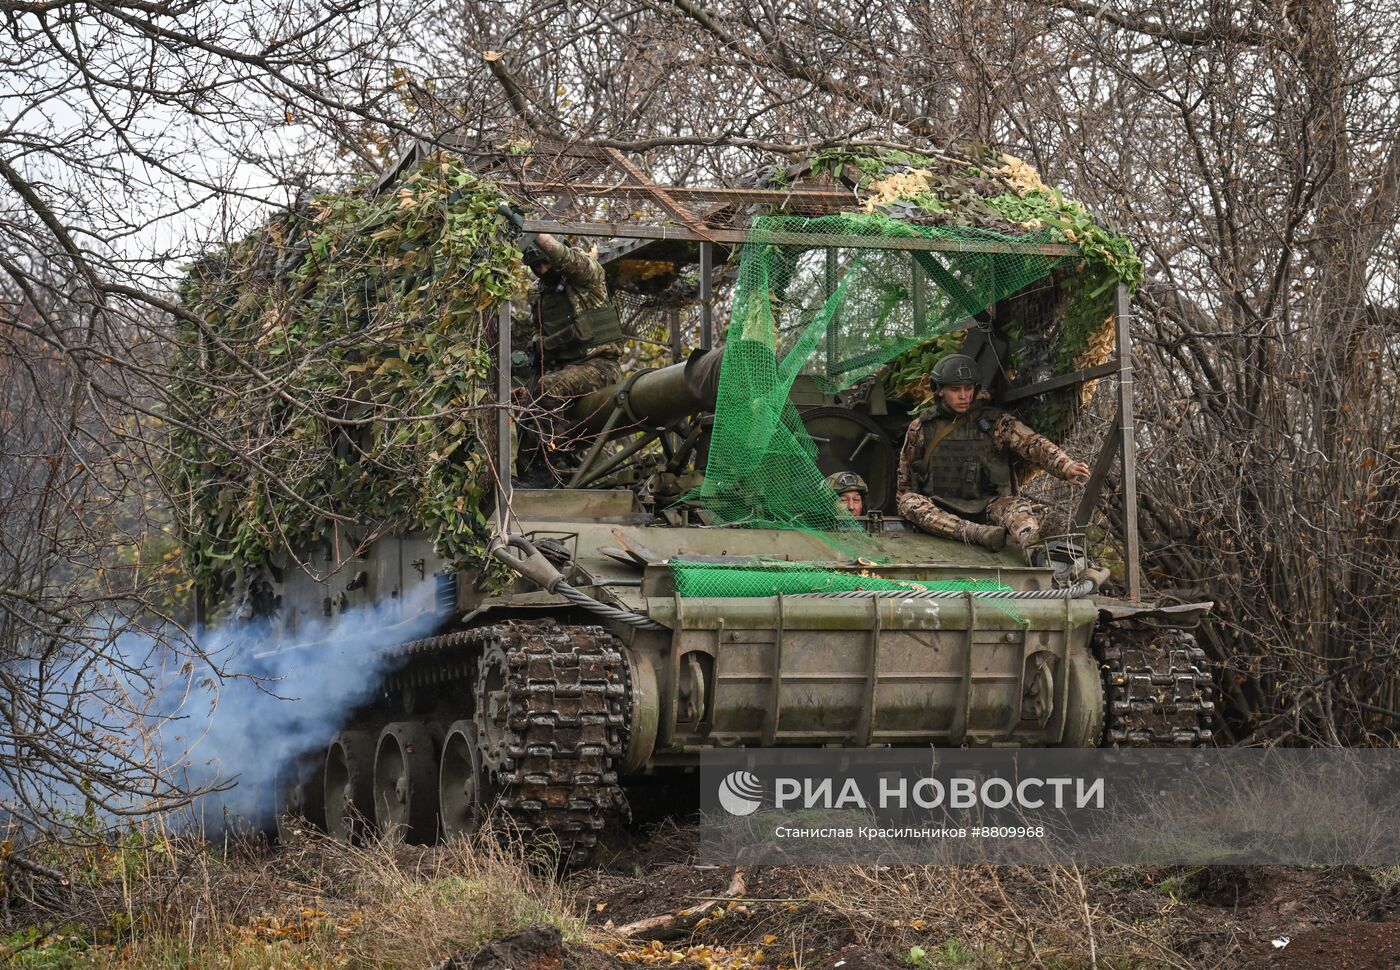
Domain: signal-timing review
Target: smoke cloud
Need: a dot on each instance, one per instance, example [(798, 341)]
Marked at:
[(238, 733), (121, 721)]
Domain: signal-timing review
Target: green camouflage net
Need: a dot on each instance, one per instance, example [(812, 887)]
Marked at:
[(806, 306), (363, 317), (760, 577), (1046, 329), (766, 577)]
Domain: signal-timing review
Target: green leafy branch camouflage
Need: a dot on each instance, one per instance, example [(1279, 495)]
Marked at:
[(366, 315)]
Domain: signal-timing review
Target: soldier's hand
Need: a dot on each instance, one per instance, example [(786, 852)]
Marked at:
[(513, 216), (1078, 473)]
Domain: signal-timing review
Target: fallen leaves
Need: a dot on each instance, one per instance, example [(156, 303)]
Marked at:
[(656, 953), (298, 927)]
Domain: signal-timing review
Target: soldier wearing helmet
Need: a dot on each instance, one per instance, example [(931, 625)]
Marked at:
[(568, 345), (955, 475), (850, 488)]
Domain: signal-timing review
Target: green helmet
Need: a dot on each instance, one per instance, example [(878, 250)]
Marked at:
[(956, 369), (842, 482)]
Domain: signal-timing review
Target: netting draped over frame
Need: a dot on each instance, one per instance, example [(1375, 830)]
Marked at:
[(758, 577), (807, 302), (762, 577)]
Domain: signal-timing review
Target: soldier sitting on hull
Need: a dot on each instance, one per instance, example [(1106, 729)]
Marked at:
[(567, 347), (850, 488), (955, 476)]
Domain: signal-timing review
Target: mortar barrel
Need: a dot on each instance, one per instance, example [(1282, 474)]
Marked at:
[(655, 397)]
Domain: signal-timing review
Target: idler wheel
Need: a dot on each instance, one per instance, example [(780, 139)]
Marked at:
[(464, 792), (301, 796), (349, 785), (405, 783)]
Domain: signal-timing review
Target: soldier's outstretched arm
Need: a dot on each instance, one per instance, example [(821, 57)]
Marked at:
[(1016, 437), (908, 454)]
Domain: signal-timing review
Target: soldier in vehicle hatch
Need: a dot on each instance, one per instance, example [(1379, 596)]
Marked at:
[(569, 345), (850, 489), (955, 475)]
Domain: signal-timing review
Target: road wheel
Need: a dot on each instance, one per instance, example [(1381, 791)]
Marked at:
[(349, 785), (301, 796), (405, 783), (463, 797)]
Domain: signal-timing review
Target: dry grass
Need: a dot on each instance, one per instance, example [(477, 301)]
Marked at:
[(153, 901), (1049, 916)]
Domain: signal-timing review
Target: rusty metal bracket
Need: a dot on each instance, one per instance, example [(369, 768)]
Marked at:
[(1132, 562), (663, 198), (866, 727), (670, 696), (1061, 708), (1094, 487), (957, 730), (1105, 369)]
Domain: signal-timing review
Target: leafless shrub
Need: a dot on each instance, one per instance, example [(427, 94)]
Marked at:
[(1253, 150)]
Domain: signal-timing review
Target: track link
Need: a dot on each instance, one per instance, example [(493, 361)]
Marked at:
[(567, 718), (1157, 687), (562, 717)]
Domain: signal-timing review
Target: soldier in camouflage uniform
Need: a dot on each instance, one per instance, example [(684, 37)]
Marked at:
[(567, 346), (955, 475)]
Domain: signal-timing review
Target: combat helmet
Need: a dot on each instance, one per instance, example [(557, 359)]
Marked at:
[(956, 369), (842, 482)]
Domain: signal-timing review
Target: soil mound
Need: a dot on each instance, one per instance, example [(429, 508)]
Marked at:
[(1341, 946), (533, 948)]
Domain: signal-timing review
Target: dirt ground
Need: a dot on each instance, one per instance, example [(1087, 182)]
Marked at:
[(1341, 946), (887, 917), (649, 902), (534, 948)]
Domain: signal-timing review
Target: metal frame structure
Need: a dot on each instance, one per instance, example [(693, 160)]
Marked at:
[(1120, 445)]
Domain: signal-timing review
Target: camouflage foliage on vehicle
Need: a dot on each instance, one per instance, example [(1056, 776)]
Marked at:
[(336, 368)]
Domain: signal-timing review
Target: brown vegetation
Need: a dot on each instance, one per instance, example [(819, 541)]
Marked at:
[(153, 902), (1252, 149)]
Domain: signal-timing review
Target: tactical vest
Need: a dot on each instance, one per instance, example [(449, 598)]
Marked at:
[(569, 336), (962, 468)]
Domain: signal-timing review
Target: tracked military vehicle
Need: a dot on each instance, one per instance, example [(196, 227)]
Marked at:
[(542, 697), (657, 603)]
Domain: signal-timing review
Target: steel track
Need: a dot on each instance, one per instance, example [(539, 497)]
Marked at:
[(567, 708), (1157, 687)]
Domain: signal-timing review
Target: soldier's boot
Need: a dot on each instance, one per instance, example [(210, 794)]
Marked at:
[(991, 537), (1026, 538)]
